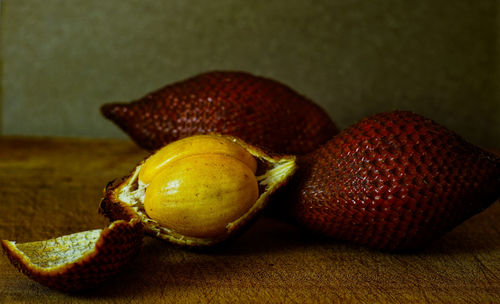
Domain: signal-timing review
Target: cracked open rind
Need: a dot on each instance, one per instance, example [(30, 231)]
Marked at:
[(78, 261), (124, 198)]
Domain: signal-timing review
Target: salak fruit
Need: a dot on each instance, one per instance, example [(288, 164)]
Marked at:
[(392, 181), (261, 111), (200, 190)]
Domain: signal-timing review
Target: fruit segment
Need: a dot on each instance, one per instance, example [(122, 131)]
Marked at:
[(260, 111), (193, 145), (80, 260), (199, 195)]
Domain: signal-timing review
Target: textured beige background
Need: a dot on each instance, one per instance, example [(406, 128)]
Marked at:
[(62, 59)]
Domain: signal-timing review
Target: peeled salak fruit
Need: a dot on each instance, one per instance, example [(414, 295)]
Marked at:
[(200, 190), (393, 181), (260, 111), (78, 261)]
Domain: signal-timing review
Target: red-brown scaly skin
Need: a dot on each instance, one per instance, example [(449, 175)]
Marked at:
[(261, 111), (393, 181)]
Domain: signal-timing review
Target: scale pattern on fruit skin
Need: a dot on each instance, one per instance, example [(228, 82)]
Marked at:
[(261, 111), (394, 181)]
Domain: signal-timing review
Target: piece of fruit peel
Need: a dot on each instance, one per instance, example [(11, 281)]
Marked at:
[(79, 260)]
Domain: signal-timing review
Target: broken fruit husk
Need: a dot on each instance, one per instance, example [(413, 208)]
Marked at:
[(80, 260)]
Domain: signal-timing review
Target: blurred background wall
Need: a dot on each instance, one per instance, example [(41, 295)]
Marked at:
[(62, 59)]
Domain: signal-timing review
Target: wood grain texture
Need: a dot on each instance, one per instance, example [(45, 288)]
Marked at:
[(50, 187)]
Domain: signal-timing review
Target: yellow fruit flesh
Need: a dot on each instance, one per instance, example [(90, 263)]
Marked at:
[(194, 145), (199, 195)]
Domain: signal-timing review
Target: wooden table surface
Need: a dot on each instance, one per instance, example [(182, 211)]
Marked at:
[(50, 187)]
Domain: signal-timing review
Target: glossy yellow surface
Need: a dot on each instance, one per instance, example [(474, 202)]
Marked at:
[(198, 144), (199, 195)]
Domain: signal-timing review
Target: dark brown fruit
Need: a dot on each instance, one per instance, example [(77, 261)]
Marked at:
[(395, 180), (261, 111)]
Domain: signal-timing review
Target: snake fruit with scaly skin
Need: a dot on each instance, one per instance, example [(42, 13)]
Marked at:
[(261, 111), (393, 181)]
